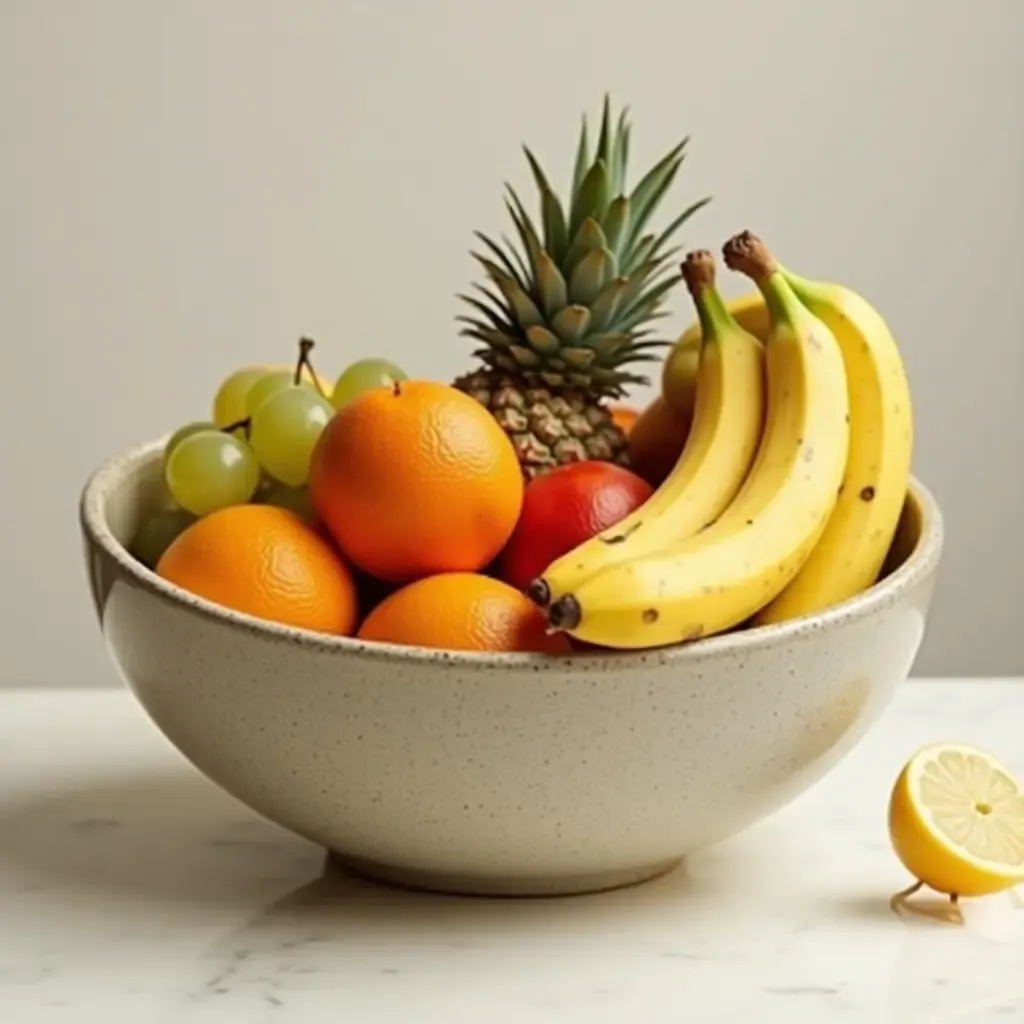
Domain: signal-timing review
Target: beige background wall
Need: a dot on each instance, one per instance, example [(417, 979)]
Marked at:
[(187, 185)]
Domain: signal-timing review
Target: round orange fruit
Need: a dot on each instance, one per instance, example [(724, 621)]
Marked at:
[(624, 416), (656, 441), (416, 479), (462, 611), (266, 562)]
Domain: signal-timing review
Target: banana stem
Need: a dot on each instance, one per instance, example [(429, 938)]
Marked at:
[(565, 613), (539, 592), (698, 271), (747, 254)]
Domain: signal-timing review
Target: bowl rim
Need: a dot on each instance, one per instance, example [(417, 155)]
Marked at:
[(114, 471)]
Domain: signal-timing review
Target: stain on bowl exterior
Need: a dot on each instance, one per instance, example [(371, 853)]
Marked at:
[(501, 774)]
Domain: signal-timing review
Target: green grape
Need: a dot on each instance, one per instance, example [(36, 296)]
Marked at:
[(211, 470), (269, 384), (362, 376), (157, 534), (229, 402), (295, 499), (194, 428), (284, 431), (181, 433)]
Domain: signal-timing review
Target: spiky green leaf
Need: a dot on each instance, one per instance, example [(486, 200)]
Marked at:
[(523, 307), (615, 222), (611, 381), (593, 197), (493, 317), (517, 257), (542, 340), (628, 359), (604, 139), (643, 346), (606, 305), (589, 238), (653, 295), (591, 274), (642, 216), (637, 253), (620, 153), (496, 340), (637, 279), (578, 358), (647, 307), (645, 198), (479, 326), (543, 185), (500, 361), (646, 275), (678, 223), (651, 181), (582, 159), (503, 259), (524, 356), (607, 345), (551, 285), (572, 323), (495, 299), (552, 215), (556, 233), (524, 225)]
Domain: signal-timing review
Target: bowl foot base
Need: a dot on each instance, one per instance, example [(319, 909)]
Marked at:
[(500, 885)]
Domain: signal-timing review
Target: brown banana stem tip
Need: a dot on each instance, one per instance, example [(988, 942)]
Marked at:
[(565, 613), (747, 254), (699, 271), (539, 592)]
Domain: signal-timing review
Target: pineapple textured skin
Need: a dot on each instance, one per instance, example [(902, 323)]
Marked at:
[(548, 427)]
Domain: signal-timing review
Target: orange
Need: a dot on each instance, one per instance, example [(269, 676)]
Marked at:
[(416, 479), (462, 611), (624, 416), (656, 441), (264, 561)]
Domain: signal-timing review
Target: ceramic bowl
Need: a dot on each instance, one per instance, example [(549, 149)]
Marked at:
[(501, 774)]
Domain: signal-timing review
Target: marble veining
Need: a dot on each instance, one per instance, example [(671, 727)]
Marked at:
[(131, 889)]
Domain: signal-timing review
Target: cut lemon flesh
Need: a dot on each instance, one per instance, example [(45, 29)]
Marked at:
[(956, 819)]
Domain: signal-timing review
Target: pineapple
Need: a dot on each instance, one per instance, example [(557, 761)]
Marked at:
[(564, 317)]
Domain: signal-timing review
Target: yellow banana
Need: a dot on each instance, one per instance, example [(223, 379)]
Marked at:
[(723, 440), (853, 546), (719, 577), (679, 374)]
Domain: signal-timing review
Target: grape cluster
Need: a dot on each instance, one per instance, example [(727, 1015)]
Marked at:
[(257, 446)]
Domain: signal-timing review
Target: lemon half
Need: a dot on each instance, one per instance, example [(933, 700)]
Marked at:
[(956, 821)]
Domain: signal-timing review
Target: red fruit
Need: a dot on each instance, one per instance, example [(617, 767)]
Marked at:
[(564, 508)]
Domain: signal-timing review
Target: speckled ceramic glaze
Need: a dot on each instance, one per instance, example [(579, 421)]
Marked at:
[(508, 774)]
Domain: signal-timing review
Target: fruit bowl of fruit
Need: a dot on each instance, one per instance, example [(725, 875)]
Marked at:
[(502, 634)]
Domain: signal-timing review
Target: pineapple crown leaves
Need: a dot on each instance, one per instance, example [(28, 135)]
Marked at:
[(571, 303)]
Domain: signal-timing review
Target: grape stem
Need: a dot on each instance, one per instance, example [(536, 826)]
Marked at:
[(306, 346), (239, 425)]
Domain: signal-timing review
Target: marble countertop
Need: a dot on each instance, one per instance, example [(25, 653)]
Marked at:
[(133, 890)]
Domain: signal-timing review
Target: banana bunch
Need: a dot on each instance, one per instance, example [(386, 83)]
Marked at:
[(788, 492)]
